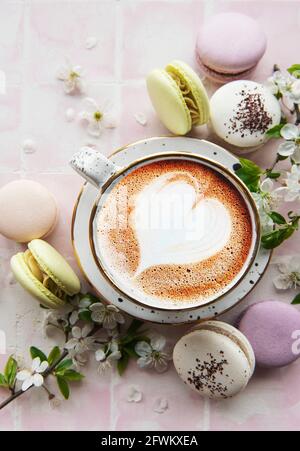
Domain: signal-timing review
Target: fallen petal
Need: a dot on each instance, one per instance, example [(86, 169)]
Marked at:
[(141, 118), (160, 405), (134, 394)]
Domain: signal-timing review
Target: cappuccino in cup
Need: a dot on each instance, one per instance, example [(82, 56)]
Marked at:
[(174, 233)]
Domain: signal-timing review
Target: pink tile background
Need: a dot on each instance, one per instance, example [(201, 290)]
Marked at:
[(133, 37)]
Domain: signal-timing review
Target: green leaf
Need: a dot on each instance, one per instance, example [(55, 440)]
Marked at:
[(129, 349), (296, 299), (90, 297), (274, 132), (281, 157), (10, 371), (277, 218), (277, 237), (273, 175), (123, 363), (249, 173), (72, 375), (36, 352), (65, 364), (134, 326), (54, 355), (85, 315), (63, 387), (293, 68), (3, 381)]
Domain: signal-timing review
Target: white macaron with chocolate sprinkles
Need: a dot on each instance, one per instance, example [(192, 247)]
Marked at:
[(214, 359), (242, 112)]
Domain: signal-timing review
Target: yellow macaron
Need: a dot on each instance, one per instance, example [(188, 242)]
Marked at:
[(178, 97), (44, 273)]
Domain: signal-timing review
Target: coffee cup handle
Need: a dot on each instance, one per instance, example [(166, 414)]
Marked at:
[(93, 166)]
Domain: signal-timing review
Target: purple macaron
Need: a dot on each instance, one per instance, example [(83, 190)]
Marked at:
[(229, 46), (271, 328)]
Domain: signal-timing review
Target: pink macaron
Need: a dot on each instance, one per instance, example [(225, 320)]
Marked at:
[(273, 329), (27, 211), (229, 46)]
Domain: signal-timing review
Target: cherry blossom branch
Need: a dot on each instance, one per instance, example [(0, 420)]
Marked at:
[(297, 112), (48, 371)]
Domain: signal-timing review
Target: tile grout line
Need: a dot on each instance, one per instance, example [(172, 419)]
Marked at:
[(206, 415), (116, 140), (22, 173), (23, 83), (209, 8)]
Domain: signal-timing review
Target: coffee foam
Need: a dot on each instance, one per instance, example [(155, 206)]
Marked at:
[(173, 233)]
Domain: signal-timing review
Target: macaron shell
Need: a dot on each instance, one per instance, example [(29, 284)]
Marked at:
[(26, 279), (269, 326), (55, 266), (198, 90), (224, 105), (231, 43), (168, 102), (211, 363), (27, 211), (234, 332)]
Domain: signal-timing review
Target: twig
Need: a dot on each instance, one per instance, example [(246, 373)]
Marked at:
[(297, 111)]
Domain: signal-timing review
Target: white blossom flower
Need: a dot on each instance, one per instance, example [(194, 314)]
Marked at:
[(294, 94), (72, 76), (267, 199), (95, 117), (285, 84), (34, 375), (153, 354), (291, 146), (80, 305), (289, 268), (58, 318), (277, 82), (269, 196), (291, 191), (107, 315), (80, 341), (106, 354), (78, 360)]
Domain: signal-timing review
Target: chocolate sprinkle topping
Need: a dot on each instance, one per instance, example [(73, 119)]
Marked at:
[(250, 115), (204, 375)]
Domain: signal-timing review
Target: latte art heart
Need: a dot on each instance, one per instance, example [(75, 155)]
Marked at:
[(173, 233), (175, 224)]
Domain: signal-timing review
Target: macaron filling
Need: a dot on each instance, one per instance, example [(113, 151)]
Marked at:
[(42, 277), (187, 95), (227, 74)]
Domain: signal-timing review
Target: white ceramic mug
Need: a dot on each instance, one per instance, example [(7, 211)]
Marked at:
[(105, 175)]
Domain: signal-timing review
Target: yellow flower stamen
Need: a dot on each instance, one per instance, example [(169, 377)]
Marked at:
[(73, 75), (98, 116)]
